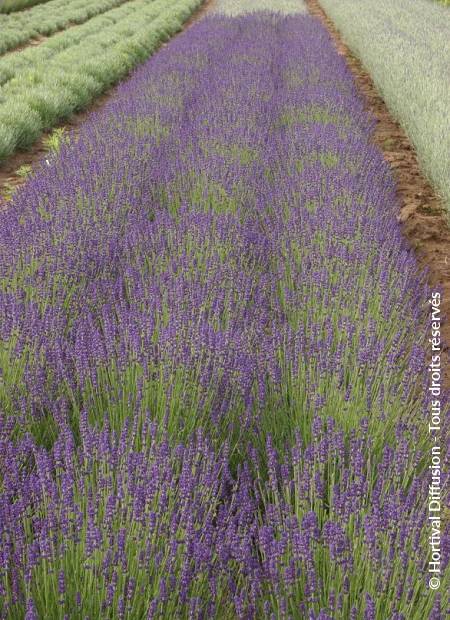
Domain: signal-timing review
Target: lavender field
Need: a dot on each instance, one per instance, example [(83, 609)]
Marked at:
[(213, 343)]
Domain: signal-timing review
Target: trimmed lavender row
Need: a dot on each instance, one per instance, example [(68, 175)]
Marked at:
[(217, 249)]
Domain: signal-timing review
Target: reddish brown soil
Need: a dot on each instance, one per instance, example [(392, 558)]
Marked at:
[(422, 213), (206, 7), (8, 168)]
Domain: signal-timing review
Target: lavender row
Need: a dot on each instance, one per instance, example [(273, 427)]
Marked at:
[(219, 237), (217, 249)]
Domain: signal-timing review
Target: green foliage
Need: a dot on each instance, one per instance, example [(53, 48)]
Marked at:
[(7, 141), (47, 19), (21, 123), (237, 7), (55, 139), (8, 6), (24, 171), (64, 74), (8, 191)]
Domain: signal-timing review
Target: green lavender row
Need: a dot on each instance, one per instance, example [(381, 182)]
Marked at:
[(116, 22), (66, 78), (44, 20), (8, 6)]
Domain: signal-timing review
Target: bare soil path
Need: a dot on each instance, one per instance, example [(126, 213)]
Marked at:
[(33, 42)]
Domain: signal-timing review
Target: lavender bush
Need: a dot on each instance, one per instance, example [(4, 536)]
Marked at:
[(8, 6), (342, 537), (217, 249), (42, 85), (111, 530)]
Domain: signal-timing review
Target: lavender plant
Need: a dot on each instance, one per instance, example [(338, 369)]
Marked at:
[(239, 7), (65, 73), (338, 537), (203, 278), (9, 6), (112, 529)]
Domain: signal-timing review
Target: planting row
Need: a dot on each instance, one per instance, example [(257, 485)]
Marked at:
[(405, 46), (212, 351), (43, 85), (131, 527), (112, 23), (45, 20), (8, 6)]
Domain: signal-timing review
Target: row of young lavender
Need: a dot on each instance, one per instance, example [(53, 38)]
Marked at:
[(42, 85), (212, 342)]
